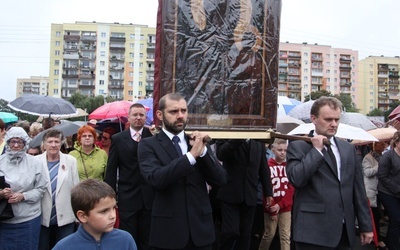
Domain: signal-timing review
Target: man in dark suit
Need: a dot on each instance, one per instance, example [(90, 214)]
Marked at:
[(179, 167), (329, 188), (135, 197), (246, 164)]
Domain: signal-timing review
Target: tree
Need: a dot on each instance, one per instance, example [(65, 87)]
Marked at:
[(85, 102), (376, 112), (347, 102), (317, 94), (392, 106)]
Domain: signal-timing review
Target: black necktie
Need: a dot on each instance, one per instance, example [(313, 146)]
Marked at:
[(333, 158), (176, 141)]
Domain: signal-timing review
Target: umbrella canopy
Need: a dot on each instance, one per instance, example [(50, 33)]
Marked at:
[(394, 113), (111, 110), (287, 123), (66, 127), (357, 120), (42, 105), (148, 102), (285, 104), (8, 117), (302, 111), (80, 112), (344, 131), (382, 134)]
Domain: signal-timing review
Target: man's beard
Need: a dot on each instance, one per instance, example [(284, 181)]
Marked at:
[(171, 127)]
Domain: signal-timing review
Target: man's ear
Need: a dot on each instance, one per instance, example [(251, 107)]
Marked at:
[(159, 115), (81, 216)]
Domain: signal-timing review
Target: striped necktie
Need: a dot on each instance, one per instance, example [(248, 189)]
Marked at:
[(53, 171)]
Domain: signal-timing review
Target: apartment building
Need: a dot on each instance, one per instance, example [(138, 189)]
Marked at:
[(109, 59), (305, 68), (34, 85), (379, 77)]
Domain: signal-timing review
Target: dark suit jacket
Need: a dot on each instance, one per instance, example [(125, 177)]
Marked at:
[(133, 192), (245, 163), (181, 206), (321, 201)]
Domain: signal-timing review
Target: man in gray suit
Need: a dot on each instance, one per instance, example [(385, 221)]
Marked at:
[(329, 188)]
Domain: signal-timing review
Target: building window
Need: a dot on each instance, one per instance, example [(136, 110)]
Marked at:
[(103, 34), (132, 45), (140, 74), (132, 36), (102, 53), (335, 79), (141, 55), (103, 44), (328, 64), (305, 78), (328, 71), (102, 63), (141, 65), (141, 46), (328, 56), (102, 72), (130, 92), (57, 43), (56, 72), (371, 80), (130, 83), (131, 55), (58, 33), (141, 37), (305, 53), (56, 62), (57, 52), (131, 73), (101, 82), (140, 84), (101, 92), (55, 81), (131, 64), (55, 91)]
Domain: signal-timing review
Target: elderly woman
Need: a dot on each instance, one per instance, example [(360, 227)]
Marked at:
[(92, 160), (2, 133), (26, 178), (58, 219)]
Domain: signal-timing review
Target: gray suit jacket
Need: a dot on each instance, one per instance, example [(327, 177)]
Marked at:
[(321, 202)]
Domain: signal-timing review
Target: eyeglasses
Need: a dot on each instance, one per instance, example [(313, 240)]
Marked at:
[(105, 138), (13, 142)]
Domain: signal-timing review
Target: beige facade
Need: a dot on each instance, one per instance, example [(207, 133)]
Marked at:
[(379, 77), (305, 68), (34, 85), (108, 59)]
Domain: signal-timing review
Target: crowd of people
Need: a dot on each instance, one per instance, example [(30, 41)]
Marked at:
[(169, 189)]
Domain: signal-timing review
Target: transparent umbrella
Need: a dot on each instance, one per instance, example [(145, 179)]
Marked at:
[(302, 111)]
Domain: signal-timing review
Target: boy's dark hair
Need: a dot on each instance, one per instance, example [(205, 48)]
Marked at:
[(88, 193)]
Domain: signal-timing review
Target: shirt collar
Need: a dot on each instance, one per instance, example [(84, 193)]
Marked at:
[(181, 135), (133, 132)]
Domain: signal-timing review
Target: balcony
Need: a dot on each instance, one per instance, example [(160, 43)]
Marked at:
[(83, 85), (87, 76), (117, 39), (345, 59), (117, 58), (317, 72), (71, 38), (70, 75), (294, 64), (89, 38), (116, 86), (67, 56), (345, 67), (294, 55)]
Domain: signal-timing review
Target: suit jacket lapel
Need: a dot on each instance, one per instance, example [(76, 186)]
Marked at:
[(166, 143)]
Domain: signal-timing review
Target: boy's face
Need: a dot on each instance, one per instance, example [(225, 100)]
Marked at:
[(101, 218), (280, 152)]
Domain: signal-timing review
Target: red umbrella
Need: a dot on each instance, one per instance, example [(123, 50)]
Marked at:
[(394, 113), (112, 110)]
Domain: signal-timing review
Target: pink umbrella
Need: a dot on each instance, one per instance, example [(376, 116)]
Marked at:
[(112, 110)]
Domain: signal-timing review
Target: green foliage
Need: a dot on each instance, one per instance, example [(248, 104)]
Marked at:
[(376, 112), (347, 102), (317, 94), (85, 102)]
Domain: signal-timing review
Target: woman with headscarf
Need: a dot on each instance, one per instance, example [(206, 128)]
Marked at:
[(25, 176), (92, 160)]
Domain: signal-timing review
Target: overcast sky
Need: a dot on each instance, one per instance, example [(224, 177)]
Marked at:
[(368, 26)]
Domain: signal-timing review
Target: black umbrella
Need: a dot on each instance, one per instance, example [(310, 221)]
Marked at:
[(43, 105), (67, 128)]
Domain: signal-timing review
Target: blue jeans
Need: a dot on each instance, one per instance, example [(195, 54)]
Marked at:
[(392, 207), (23, 235), (49, 236)]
